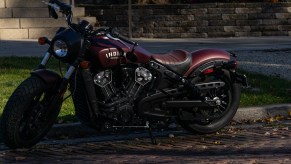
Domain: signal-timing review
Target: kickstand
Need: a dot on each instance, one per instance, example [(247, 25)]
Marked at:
[(153, 138)]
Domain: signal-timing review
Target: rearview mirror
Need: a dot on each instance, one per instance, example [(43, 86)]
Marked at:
[(53, 12)]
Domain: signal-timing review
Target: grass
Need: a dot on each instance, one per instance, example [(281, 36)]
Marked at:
[(13, 70), (265, 90)]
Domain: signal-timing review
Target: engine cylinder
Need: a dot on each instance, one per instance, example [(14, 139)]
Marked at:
[(104, 81)]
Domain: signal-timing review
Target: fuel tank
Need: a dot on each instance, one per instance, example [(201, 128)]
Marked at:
[(106, 52)]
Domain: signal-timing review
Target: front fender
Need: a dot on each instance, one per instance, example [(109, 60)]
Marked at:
[(205, 58), (51, 78)]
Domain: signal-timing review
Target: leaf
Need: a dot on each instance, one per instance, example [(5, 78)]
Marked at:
[(171, 135), (273, 119), (204, 147), (286, 128), (64, 137), (269, 120), (20, 158), (279, 117), (216, 142), (275, 130), (267, 134)]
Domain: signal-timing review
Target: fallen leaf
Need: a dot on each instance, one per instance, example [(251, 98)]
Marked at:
[(217, 142), (204, 147), (275, 130), (286, 128), (22, 150), (64, 137), (279, 117), (270, 120), (171, 136), (20, 158), (267, 133)]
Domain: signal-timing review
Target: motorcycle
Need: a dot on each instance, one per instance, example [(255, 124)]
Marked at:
[(115, 83)]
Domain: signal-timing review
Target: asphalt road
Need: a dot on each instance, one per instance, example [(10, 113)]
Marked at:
[(31, 48), (255, 143), (266, 55)]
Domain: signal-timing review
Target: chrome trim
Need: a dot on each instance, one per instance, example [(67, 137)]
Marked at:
[(46, 58), (70, 72)]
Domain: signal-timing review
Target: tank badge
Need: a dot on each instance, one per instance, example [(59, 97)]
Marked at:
[(113, 55)]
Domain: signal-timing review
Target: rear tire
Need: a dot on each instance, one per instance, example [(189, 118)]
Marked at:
[(26, 119), (216, 122)]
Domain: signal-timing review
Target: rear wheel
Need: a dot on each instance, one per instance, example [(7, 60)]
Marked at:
[(211, 119), (28, 114)]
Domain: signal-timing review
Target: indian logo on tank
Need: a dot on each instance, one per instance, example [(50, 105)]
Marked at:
[(113, 55)]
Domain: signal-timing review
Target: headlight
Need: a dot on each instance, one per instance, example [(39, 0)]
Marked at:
[(60, 48), (66, 45)]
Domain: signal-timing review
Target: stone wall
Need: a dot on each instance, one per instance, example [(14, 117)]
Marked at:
[(198, 20)]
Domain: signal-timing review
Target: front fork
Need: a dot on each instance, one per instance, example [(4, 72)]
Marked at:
[(51, 77), (88, 82)]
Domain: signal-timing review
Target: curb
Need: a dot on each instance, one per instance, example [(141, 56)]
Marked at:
[(262, 112), (70, 130)]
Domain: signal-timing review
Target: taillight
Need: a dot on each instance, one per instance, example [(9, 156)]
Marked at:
[(208, 71)]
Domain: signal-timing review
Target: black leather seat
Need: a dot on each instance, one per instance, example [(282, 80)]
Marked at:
[(177, 60)]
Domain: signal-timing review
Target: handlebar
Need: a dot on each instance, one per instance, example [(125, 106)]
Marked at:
[(115, 35), (64, 8), (125, 39), (67, 10)]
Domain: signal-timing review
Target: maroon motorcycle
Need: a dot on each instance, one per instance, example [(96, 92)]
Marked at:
[(115, 83)]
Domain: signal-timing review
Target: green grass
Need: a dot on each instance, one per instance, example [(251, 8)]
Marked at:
[(265, 90), (13, 70)]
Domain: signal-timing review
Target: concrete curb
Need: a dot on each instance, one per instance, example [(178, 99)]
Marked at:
[(243, 114), (262, 112)]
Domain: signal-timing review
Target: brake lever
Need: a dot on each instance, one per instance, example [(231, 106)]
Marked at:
[(53, 5)]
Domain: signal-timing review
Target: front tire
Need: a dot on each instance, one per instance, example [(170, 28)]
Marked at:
[(29, 114), (206, 120)]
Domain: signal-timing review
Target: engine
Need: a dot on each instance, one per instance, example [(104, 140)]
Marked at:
[(118, 89)]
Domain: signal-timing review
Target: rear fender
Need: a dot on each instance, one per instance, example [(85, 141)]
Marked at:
[(205, 59), (234, 76), (206, 66), (51, 78)]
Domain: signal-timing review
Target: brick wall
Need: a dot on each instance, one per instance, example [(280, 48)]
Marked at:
[(198, 20)]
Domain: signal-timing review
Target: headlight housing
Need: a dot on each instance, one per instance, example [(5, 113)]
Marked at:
[(60, 48), (66, 45)]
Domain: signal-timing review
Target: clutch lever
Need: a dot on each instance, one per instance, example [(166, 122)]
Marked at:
[(53, 5)]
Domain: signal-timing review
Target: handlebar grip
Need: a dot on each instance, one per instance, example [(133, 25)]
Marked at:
[(63, 6)]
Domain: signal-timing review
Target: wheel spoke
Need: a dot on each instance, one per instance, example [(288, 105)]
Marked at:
[(222, 107)]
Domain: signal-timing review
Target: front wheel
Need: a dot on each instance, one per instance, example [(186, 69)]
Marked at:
[(29, 114), (211, 119)]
